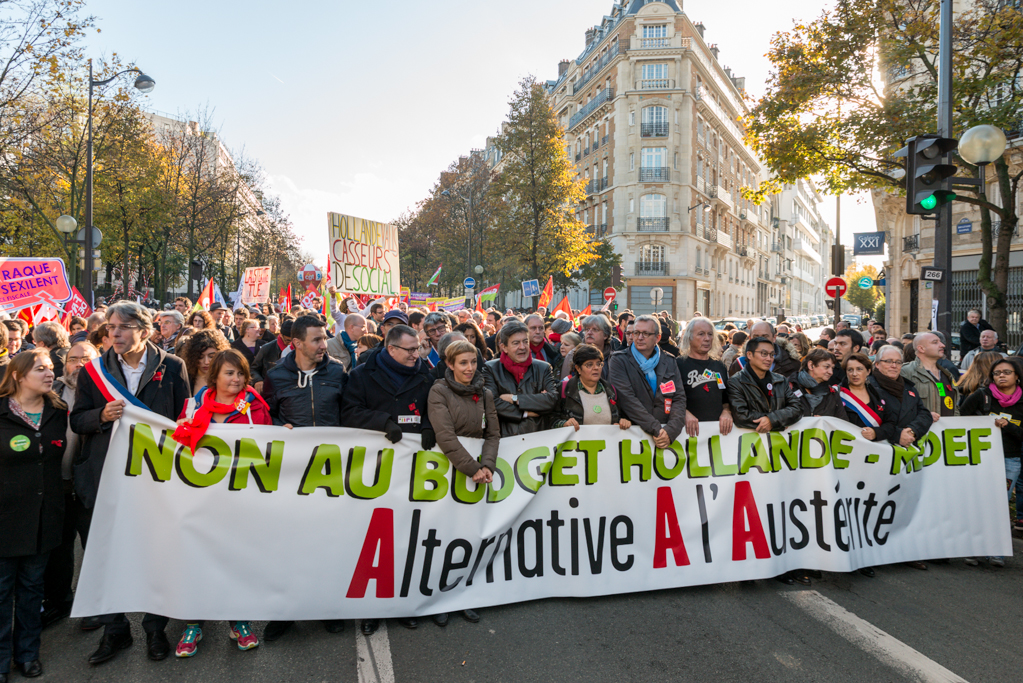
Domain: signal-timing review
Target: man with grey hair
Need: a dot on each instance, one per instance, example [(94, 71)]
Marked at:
[(171, 323), (435, 326), (342, 346), (650, 391), (53, 337), (539, 347), (988, 342), (524, 389), (160, 382)]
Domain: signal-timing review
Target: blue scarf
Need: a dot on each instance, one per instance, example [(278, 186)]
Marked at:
[(648, 366), (350, 345), (398, 374)]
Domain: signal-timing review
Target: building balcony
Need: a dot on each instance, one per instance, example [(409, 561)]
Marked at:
[(743, 250), (596, 68), (596, 143), (724, 239), (911, 243), (596, 185), (578, 156), (654, 130), (802, 246), (598, 231), (646, 268), (648, 224), (656, 84), (602, 98), (586, 151), (676, 42), (701, 185), (721, 195), (660, 174)]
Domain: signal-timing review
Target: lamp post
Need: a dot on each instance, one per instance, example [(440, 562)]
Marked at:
[(66, 225), (143, 84)]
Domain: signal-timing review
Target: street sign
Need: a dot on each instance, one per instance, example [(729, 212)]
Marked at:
[(964, 226), (866, 282), (932, 274), (835, 287), (868, 243), (97, 236), (881, 282), (531, 288), (610, 294), (469, 283)]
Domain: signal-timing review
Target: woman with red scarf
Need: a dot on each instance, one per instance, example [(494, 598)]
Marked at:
[(227, 398)]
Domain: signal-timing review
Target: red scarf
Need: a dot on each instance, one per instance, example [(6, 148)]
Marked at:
[(517, 370), (191, 432), (537, 351), (281, 344), (555, 337)]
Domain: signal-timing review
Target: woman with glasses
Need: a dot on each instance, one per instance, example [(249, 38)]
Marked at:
[(201, 320), (585, 398), (1002, 398)]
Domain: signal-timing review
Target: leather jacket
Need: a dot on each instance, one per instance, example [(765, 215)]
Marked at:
[(749, 403), (537, 393)]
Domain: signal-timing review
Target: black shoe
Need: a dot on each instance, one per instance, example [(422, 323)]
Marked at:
[(916, 564), (276, 629), (786, 579), (441, 619), (802, 579), (868, 572), (814, 573), (370, 626), (470, 615), (157, 646), (90, 623), (31, 669), (409, 622), (109, 646), (334, 625), (54, 613)]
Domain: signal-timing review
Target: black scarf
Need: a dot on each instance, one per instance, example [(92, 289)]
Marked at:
[(894, 387), (398, 374)]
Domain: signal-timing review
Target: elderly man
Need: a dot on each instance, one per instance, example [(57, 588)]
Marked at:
[(342, 346), (597, 331), (463, 315), (160, 382), (650, 390), (524, 389), (842, 325), (171, 323), (988, 342), (786, 358), (539, 347), (54, 338), (934, 383), (97, 319), (435, 326), (970, 331)]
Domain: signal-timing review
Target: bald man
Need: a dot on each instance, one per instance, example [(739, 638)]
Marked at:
[(933, 381)]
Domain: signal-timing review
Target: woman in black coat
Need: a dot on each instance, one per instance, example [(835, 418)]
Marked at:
[(817, 396), (33, 426), (585, 398)]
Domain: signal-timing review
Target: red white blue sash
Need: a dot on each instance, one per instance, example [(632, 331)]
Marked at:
[(854, 403), (111, 389)]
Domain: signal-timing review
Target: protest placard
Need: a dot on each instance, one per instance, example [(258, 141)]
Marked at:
[(363, 256), (256, 285), (28, 282)]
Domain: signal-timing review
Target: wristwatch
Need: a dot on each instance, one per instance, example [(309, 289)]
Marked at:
[(515, 399)]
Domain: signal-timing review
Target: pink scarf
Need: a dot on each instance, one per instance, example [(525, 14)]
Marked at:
[(1006, 400)]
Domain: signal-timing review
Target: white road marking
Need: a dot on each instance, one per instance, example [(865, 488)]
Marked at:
[(374, 655), (888, 649)]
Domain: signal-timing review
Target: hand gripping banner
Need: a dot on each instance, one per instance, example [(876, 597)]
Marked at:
[(324, 523)]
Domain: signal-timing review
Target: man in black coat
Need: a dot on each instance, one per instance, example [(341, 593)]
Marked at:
[(539, 346), (969, 332), (524, 389), (388, 393), (269, 355), (158, 380)]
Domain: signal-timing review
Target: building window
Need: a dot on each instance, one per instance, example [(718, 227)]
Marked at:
[(651, 257), (699, 257), (632, 118), (655, 122), (632, 161), (657, 31), (653, 206)]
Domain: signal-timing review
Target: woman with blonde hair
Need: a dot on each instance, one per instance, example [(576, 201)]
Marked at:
[(802, 343)]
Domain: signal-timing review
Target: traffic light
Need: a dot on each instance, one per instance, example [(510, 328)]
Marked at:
[(926, 172)]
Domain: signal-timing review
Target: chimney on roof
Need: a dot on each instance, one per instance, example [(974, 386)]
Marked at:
[(590, 33), (714, 50), (562, 67), (728, 71), (740, 83), (700, 28)]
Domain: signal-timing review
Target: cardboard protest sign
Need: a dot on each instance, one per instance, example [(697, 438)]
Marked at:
[(363, 256), (256, 285), (31, 281)]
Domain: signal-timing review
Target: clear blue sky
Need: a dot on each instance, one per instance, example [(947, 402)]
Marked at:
[(356, 107)]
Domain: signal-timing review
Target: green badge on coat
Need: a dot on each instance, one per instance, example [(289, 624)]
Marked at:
[(596, 409), (20, 442)]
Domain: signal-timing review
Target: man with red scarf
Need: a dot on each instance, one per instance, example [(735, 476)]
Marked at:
[(524, 389), (539, 347)]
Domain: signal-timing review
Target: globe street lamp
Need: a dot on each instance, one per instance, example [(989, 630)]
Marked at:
[(981, 145), (144, 84)]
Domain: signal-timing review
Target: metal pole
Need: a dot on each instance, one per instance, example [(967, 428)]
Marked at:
[(835, 251), (943, 227), (468, 266), (88, 203)]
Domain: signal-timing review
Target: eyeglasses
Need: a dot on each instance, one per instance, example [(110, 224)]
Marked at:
[(411, 351), (890, 362), (645, 334), (1002, 373), (765, 354), (126, 328)]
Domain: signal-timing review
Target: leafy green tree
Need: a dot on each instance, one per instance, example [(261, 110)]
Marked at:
[(864, 299)]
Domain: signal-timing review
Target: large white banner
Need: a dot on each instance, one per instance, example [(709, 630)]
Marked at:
[(317, 523)]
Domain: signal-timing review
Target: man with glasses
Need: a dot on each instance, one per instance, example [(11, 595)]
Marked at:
[(650, 390), (305, 389), (159, 381), (761, 399), (436, 325), (388, 393), (786, 357), (171, 323)]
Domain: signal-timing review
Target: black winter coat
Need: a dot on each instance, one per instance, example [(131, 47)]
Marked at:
[(830, 406), (969, 335), (749, 403), (982, 402), (31, 486), (571, 406), (239, 346), (266, 358), (902, 412), (645, 408), (881, 408), (317, 404), (530, 391), (371, 399), (165, 396)]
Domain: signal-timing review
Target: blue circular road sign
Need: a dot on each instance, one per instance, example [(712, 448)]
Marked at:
[(469, 283)]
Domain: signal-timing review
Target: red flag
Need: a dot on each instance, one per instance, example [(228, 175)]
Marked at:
[(563, 306), (479, 306), (547, 295), (206, 298), (78, 305)]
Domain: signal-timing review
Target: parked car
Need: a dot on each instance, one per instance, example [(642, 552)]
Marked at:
[(740, 323), (855, 321)]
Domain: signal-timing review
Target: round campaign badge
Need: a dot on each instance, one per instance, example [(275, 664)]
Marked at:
[(20, 442), (948, 402), (596, 409)]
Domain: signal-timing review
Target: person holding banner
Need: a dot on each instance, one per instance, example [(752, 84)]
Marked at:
[(704, 378), (33, 422), (934, 382), (140, 372), (585, 399), (811, 385), (650, 390), (524, 388), (761, 399), (228, 399), (864, 406), (461, 405)]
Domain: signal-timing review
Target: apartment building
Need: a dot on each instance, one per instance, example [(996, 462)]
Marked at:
[(650, 117), (801, 250)]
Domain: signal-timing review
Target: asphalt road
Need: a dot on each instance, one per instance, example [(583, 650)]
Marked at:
[(952, 622)]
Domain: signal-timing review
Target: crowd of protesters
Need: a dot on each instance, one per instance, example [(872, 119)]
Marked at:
[(440, 376)]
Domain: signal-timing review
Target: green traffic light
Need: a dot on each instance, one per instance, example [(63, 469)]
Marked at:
[(929, 202)]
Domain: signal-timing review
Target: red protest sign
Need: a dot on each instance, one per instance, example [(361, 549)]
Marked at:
[(78, 305), (31, 281)]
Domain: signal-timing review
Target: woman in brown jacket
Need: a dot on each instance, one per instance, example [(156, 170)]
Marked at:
[(465, 407)]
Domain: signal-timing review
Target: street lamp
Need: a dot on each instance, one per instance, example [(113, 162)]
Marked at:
[(144, 84), (705, 205), (982, 144)]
